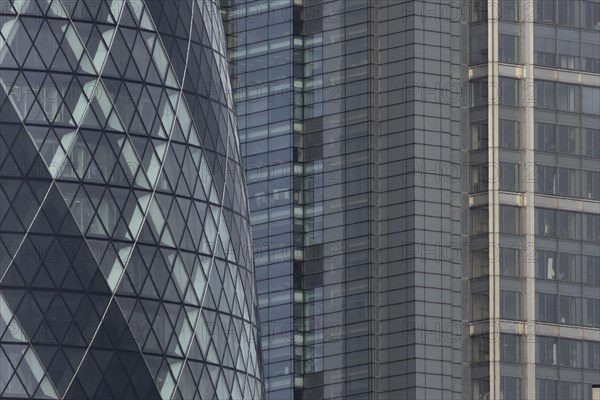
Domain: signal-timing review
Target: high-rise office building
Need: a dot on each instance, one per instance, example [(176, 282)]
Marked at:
[(424, 185), (534, 74), (125, 270)]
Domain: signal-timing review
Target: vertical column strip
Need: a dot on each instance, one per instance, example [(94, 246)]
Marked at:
[(493, 197), (528, 219)]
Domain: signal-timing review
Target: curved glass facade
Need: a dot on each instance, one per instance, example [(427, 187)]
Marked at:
[(125, 269)]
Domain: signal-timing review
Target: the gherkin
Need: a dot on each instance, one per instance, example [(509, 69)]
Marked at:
[(125, 268)]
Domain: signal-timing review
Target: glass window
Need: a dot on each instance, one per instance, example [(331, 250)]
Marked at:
[(568, 54), (591, 57), (480, 306), (592, 354), (591, 100), (281, 382), (282, 283), (591, 12), (569, 352), (545, 222), (509, 92), (481, 389), (569, 310), (546, 265), (546, 307), (546, 389), (480, 349), (479, 178), (592, 314), (592, 268), (510, 348), (568, 267), (545, 136), (569, 225), (510, 305), (509, 134), (569, 97), (508, 49), (479, 135), (280, 30), (591, 185), (591, 227), (509, 177), (479, 220), (509, 220), (547, 350), (545, 11), (591, 142), (479, 10), (509, 262), (480, 263), (479, 50), (568, 139), (569, 390), (544, 51), (568, 12), (545, 179), (569, 182), (545, 94), (479, 93), (509, 10), (510, 388)]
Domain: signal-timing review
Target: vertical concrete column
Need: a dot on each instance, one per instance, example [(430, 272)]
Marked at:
[(493, 197), (528, 186)]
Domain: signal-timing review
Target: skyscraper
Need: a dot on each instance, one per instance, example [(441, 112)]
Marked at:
[(423, 180), (534, 70), (125, 270)]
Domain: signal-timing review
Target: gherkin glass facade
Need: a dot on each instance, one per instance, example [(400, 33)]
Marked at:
[(125, 270)]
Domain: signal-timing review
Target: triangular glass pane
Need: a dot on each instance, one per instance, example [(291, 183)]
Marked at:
[(152, 345), (30, 371), (60, 62), (127, 18), (8, 61), (80, 11), (206, 388), (11, 220), (133, 73), (36, 114), (46, 44), (90, 120), (13, 278), (46, 390), (15, 388), (32, 25), (34, 60), (108, 13), (43, 280), (56, 9), (7, 77), (39, 134)]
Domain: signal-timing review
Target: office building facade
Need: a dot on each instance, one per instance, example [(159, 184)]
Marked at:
[(125, 270), (344, 133), (534, 73), (423, 182)]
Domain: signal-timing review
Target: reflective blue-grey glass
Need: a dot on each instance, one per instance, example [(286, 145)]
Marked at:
[(125, 265)]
